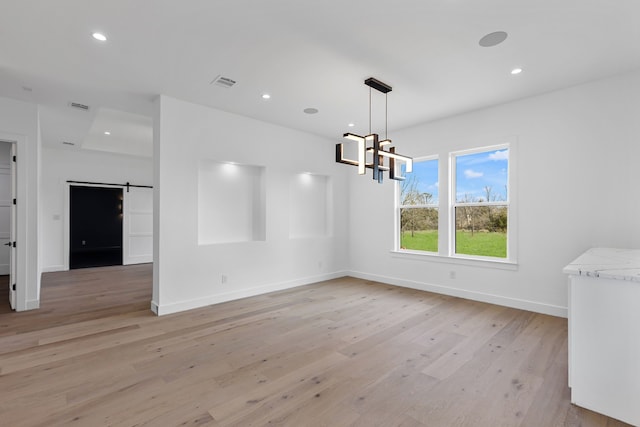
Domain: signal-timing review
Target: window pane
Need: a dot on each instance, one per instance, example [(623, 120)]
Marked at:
[(419, 229), (420, 186), (481, 230), (482, 177)]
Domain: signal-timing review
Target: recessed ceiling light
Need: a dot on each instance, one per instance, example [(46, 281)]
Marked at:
[(266, 96), (310, 110), (107, 133), (516, 71), (493, 39), (351, 125), (99, 36)]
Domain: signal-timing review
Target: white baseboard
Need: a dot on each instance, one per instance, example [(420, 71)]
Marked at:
[(154, 307), (143, 259), (552, 310), (54, 268), (161, 310), (33, 304)]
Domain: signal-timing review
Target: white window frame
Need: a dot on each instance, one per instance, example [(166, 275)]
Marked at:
[(399, 207), (453, 203), (446, 213)]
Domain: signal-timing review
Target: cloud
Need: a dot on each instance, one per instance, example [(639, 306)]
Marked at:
[(471, 174), (499, 155)]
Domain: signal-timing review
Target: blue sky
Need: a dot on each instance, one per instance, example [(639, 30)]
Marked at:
[(426, 174), (474, 172)]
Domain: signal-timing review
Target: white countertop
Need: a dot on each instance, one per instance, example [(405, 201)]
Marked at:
[(619, 264)]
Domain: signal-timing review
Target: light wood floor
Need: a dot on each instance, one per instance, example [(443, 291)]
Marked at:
[(338, 353)]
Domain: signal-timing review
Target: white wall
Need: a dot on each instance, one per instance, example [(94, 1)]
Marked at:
[(19, 124), (189, 275), (577, 155), (61, 165)]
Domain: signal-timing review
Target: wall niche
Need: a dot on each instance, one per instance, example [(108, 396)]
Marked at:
[(231, 202)]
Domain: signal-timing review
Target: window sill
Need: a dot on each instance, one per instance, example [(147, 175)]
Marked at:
[(456, 259)]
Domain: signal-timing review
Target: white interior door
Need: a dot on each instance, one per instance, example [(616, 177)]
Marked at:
[(12, 248), (5, 208), (138, 226), (12, 226)]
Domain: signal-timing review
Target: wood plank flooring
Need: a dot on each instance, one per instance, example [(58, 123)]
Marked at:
[(345, 352)]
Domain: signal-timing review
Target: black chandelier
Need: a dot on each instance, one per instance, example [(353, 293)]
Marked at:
[(376, 147)]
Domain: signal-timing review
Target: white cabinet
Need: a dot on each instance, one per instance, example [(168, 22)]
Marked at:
[(604, 332)]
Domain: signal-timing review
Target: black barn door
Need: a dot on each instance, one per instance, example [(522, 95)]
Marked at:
[(95, 227)]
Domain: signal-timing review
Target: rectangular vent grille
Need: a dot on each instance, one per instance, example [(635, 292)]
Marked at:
[(79, 106), (223, 81)]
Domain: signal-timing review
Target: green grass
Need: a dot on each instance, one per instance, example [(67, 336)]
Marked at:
[(482, 243), (426, 240)]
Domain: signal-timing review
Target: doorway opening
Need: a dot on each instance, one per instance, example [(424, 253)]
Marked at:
[(8, 225), (95, 234)]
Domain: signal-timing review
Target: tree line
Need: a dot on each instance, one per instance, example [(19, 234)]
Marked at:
[(468, 218)]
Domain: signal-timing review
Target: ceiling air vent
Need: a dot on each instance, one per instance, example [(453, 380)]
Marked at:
[(79, 106), (223, 81)]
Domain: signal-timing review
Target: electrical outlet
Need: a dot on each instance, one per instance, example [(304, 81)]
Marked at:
[(223, 278), (452, 274)]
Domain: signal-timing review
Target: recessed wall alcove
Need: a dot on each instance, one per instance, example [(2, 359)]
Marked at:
[(308, 206), (231, 202)]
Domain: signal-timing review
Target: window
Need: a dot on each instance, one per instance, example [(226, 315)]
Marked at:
[(467, 215), (418, 207), (481, 206)]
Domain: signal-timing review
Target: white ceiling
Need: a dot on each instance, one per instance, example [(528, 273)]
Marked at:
[(305, 54)]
